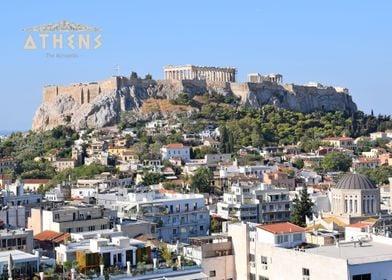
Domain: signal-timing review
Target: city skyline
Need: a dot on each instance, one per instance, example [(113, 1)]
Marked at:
[(346, 45)]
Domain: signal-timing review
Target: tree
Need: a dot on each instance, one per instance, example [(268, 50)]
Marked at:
[(152, 178), (215, 226), (379, 175), (302, 208), (201, 181), (298, 163), (148, 77), (336, 161), (166, 255), (134, 76)]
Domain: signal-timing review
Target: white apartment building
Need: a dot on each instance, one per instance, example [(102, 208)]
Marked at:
[(175, 150), (255, 202), (15, 195), (115, 249), (279, 251), (13, 216), (70, 218), (178, 216), (80, 193), (56, 194), (24, 264), (16, 239)]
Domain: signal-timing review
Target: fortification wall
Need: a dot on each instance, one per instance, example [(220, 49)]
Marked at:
[(82, 92), (240, 90)]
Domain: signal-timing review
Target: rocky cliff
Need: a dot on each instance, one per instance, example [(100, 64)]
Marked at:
[(105, 109)]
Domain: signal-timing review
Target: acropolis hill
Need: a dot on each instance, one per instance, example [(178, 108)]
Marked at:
[(99, 104)]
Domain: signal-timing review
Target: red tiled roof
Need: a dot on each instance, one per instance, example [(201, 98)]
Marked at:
[(281, 228), (174, 146), (5, 159), (49, 235), (359, 225), (167, 191), (35, 181), (176, 158), (337, 139), (367, 160)]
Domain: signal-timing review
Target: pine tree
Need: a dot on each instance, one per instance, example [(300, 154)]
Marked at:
[(224, 138), (302, 208)]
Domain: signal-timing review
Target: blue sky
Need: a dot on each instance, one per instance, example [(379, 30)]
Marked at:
[(345, 43)]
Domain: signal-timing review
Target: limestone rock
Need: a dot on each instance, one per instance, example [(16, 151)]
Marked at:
[(106, 108)]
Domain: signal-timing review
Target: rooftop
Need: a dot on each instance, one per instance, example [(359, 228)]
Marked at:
[(282, 228), (360, 225), (337, 139), (49, 235), (355, 181), (35, 181), (175, 146), (367, 253), (16, 256)]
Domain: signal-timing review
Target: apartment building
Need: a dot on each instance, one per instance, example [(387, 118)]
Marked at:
[(280, 251), (177, 216), (256, 202), (16, 239), (71, 218), (214, 254)]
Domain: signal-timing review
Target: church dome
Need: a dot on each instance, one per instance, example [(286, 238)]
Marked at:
[(355, 181)]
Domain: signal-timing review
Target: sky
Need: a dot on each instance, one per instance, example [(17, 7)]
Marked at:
[(343, 43)]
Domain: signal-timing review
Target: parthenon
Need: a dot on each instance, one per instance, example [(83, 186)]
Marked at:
[(192, 72)]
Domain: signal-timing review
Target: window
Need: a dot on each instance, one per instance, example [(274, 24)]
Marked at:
[(282, 238), (305, 272), (212, 273), (366, 276), (251, 257), (297, 237), (201, 228), (263, 278), (264, 262), (252, 276)]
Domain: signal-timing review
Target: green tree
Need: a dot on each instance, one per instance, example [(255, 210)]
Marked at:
[(298, 163), (379, 175), (201, 181), (152, 178), (215, 226), (302, 208), (134, 76), (336, 161), (166, 255)]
